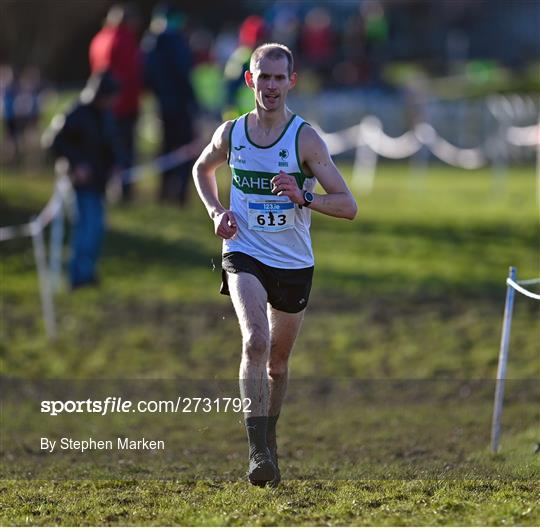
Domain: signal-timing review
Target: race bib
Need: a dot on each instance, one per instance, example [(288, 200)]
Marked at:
[(265, 215)]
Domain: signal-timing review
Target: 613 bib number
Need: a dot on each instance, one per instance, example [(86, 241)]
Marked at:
[(270, 216)]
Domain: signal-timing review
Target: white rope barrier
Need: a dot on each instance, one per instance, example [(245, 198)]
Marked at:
[(396, 148), (368, 133), (163, 163), (53, 212), (63, 188), (423, 134), (522, 290), (367, 138), (44, 218), (462, 158), (524, 136), (341, 141), (48, 213), (12, 232), (448, 153), (535, 281)]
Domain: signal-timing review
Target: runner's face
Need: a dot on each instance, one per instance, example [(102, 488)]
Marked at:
[(271, 83)]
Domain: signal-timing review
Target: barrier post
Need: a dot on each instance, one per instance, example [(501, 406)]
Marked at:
[(538, 162), (500, 161), (418, 167), (503, 361), (501, 110), (47, 303), (366, 157), (55, 247)]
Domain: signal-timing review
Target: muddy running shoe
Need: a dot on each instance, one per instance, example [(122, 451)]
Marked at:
[(261, 469), (277, 478)]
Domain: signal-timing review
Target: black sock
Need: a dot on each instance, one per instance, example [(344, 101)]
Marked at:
[(256, 432), (271, 430)]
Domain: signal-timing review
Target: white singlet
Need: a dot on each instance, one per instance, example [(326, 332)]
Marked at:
[(272, 229)]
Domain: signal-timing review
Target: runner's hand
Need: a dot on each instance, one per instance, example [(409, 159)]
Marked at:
[(225, 225), (285, 185)]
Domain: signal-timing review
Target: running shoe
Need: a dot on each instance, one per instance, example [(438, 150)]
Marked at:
[(261, 469), (277, 478)]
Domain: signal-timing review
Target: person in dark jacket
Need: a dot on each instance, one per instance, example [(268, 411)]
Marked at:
[(167, 67), (86, 138)]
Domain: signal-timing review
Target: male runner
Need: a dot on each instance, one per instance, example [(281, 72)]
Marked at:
[(275, 159)]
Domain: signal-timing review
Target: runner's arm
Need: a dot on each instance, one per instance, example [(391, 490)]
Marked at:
[(204, 176), (204, 170), (338, 200)]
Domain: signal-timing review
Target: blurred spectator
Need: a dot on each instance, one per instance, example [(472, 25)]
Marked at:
[(10, 89), (21, 109), (285, 26), (86, 138), (28, 101), (207, 75), (252, 33), (353, 69), (376, 35), (168, 65), (225, 43), (200, 44), (318, 42), (116, 48), (28, 107)]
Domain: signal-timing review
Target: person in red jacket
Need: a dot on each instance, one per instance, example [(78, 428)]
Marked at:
[(116, 48)]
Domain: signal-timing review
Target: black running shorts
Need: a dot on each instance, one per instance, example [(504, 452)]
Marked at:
[(288, 289)]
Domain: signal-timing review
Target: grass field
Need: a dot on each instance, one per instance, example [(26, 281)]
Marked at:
[(407, 301)]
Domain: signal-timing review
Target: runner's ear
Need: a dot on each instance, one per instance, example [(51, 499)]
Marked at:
[(248, 77), (292, 80)]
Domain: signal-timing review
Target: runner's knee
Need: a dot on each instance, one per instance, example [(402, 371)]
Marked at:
[(277, 369), (256, 346)]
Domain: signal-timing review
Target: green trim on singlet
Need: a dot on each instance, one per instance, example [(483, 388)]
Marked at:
[(230, 141), (272, 144), (297, 149), (258, 182)]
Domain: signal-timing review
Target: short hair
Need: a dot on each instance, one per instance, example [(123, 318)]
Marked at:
[(273, 51)]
